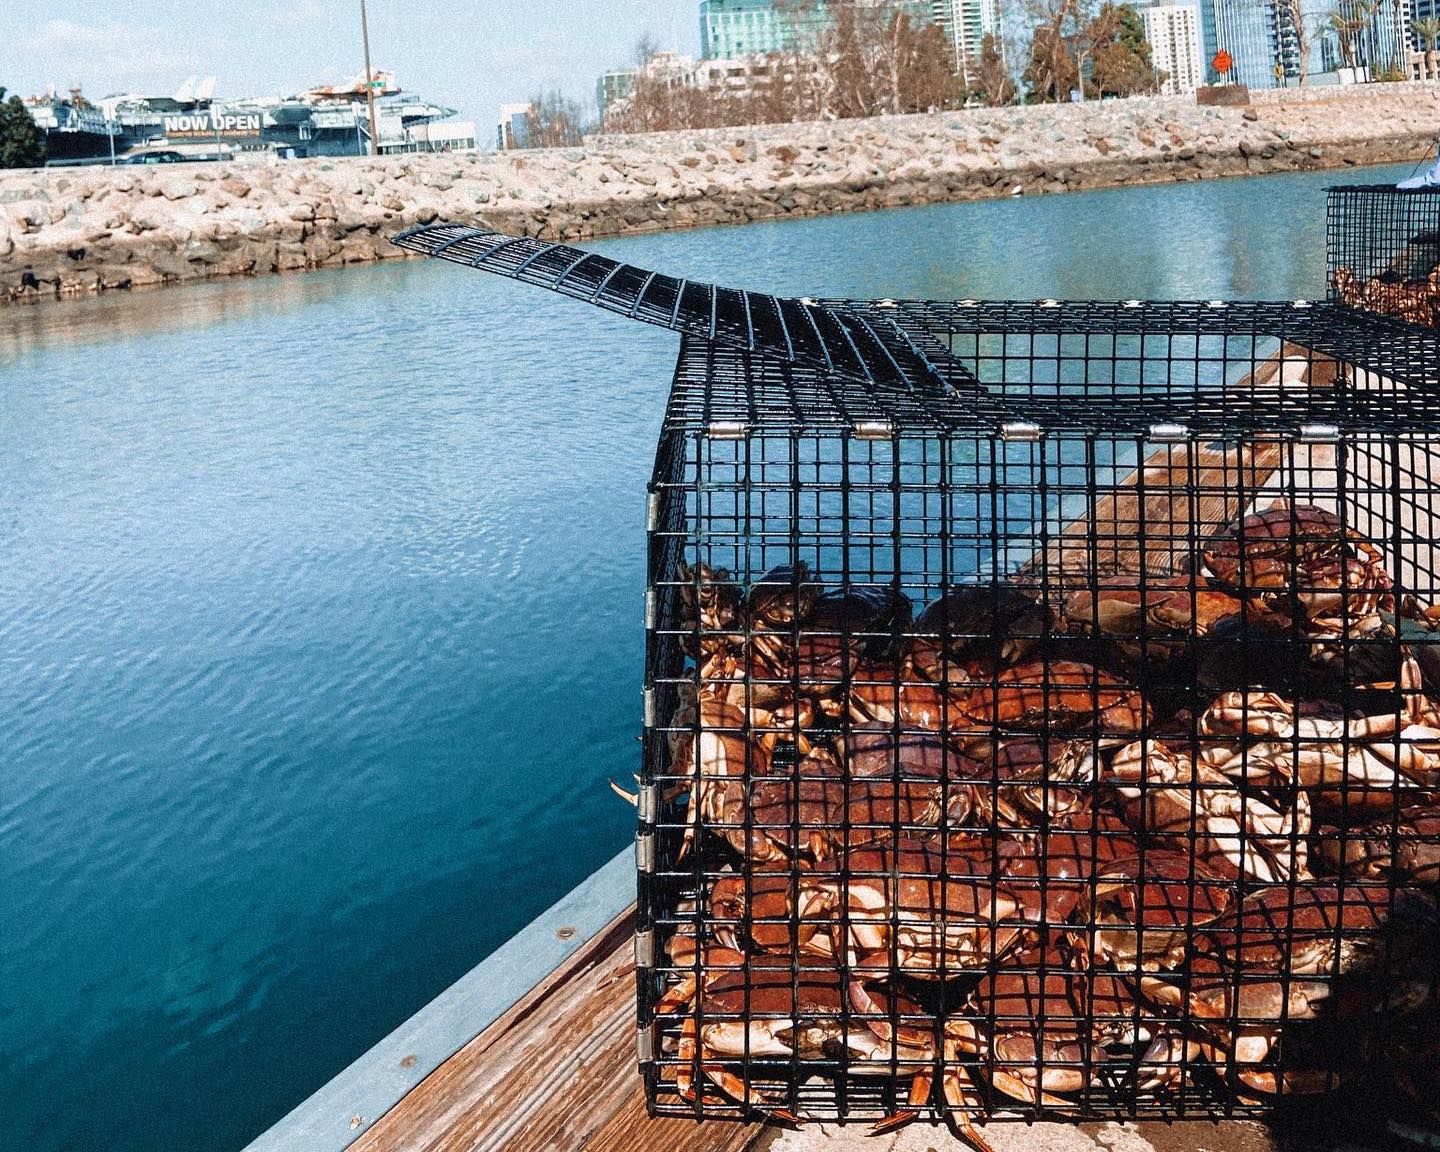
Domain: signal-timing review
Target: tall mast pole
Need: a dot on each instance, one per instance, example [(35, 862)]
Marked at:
[(369, 81)]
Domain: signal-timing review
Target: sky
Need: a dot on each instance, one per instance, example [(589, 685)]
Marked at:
[(472, 55)]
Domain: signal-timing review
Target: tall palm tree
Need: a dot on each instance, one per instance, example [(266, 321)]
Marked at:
[(1427, 31)]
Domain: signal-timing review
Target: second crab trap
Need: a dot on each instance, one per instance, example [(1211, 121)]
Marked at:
[(1041, 705)]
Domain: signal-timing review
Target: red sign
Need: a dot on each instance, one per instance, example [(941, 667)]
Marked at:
[(1223, 62)]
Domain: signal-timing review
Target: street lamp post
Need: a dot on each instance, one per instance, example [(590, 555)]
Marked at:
[(369, 81)]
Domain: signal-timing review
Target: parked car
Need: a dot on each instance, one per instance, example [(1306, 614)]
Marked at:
[(160, 157)]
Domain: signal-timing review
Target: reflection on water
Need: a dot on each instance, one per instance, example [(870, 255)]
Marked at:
[(320, 626)]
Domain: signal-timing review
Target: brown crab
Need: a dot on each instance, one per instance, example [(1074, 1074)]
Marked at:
[(1163, 611), (922, 909), (710, 601), (1144, 910), (1040, 1028), (1343, 761), (1058, 696), (774, 1006), (1405, 847), (819, 816), (886, 695), (775, 909), (1297, 953), (1173, 800), (1302, 564), (974, 631), (1028, 782)]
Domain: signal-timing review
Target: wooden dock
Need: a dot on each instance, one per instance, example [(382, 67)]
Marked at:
[(557, 1073)]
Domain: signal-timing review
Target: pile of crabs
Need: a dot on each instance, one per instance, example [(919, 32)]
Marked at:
[(1113, 843)]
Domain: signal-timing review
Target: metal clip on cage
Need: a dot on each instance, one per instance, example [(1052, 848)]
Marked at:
[(1040, 712)]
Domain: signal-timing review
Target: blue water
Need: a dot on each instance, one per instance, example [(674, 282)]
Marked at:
[(320, 626)]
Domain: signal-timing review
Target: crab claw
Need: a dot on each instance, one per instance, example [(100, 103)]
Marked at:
[(628, 797), (893, 1122)]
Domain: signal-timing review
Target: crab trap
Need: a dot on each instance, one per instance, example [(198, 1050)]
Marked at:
[(1041, 703), (1385, 251)]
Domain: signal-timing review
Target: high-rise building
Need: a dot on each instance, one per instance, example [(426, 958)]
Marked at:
[(612, 86), (966, 24), (1174, 34), (1276, 42), (730, 29)]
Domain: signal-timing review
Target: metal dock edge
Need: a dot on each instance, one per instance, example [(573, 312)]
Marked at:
[(339, 1113)]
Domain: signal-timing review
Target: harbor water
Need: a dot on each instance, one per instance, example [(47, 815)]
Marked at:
[(320, 625)]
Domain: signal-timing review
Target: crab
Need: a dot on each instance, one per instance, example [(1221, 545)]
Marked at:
[(974, 631), (1297, 954), (1040, 1028), (710, 602), (1034, 781), (925, 910), (1058, 696), (1362, 761), (1404, 847), (775, 1006), (774, 909), (1143, 911), (1155, 617), (1302, 564), (717, 756), (844, 623), (818, 816), (886, 695), (1175, 800)]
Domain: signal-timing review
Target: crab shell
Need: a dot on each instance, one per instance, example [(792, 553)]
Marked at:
[(1172, 800), (1323, 929), (921, 756), (888, 695), (975, 630), (710, 602), (1050, 870), (1029, 781), (820, 816), (781, 599), (1135, 607), (1301, 555), (775, 1006), (1406, 848), (1145, 910), (774, 909), (923, 909), (1060, 695)]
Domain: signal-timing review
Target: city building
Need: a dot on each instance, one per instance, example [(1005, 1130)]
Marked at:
[(321, 122), (1174, 34), (730, 29), (966, 24), (612, 87), (1275, 42), (513, 130)]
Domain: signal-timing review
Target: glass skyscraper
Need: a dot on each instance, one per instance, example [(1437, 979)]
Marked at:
[(735, 28)]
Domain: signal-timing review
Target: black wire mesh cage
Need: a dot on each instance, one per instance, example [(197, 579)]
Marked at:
[(1041, 705), (1385, 251)]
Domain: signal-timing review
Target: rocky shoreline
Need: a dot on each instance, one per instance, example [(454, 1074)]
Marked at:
[(78, 231)]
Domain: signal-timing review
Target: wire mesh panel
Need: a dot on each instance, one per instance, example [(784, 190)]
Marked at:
[(1042, 700), (1385, 252), (1075, 762)]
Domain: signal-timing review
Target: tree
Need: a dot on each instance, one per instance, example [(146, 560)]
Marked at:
[(554, 121), (990, 78), (1121, 64), (22, 144), (1293, 18), (1427, 31)]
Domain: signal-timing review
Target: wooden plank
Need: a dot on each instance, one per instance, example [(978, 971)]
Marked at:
[(556, 1072), (1182, 493)]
